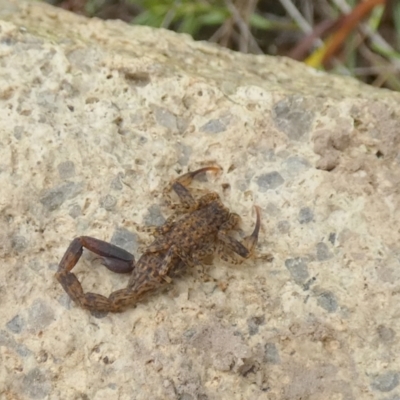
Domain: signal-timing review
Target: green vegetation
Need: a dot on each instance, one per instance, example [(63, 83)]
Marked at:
[(358, 38)]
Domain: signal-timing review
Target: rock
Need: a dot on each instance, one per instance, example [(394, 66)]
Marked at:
[(96, 118)]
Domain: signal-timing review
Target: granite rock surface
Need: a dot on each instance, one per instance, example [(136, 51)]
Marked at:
[(95, 119)]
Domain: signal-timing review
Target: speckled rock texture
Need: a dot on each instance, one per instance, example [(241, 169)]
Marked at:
[(95, 119)]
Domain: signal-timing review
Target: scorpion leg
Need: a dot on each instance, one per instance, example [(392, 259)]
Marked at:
[(113, 257), (174, 251), (207, 249), (189, 259), (232, 222), (157, 230), (245, 249)]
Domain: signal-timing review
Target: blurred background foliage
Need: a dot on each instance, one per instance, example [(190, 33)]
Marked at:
[(357, 38)]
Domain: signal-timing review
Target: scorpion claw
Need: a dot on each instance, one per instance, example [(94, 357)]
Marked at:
[(251, 240), (187, 178)]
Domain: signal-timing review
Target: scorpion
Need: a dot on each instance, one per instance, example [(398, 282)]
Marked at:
[(196, 230)]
